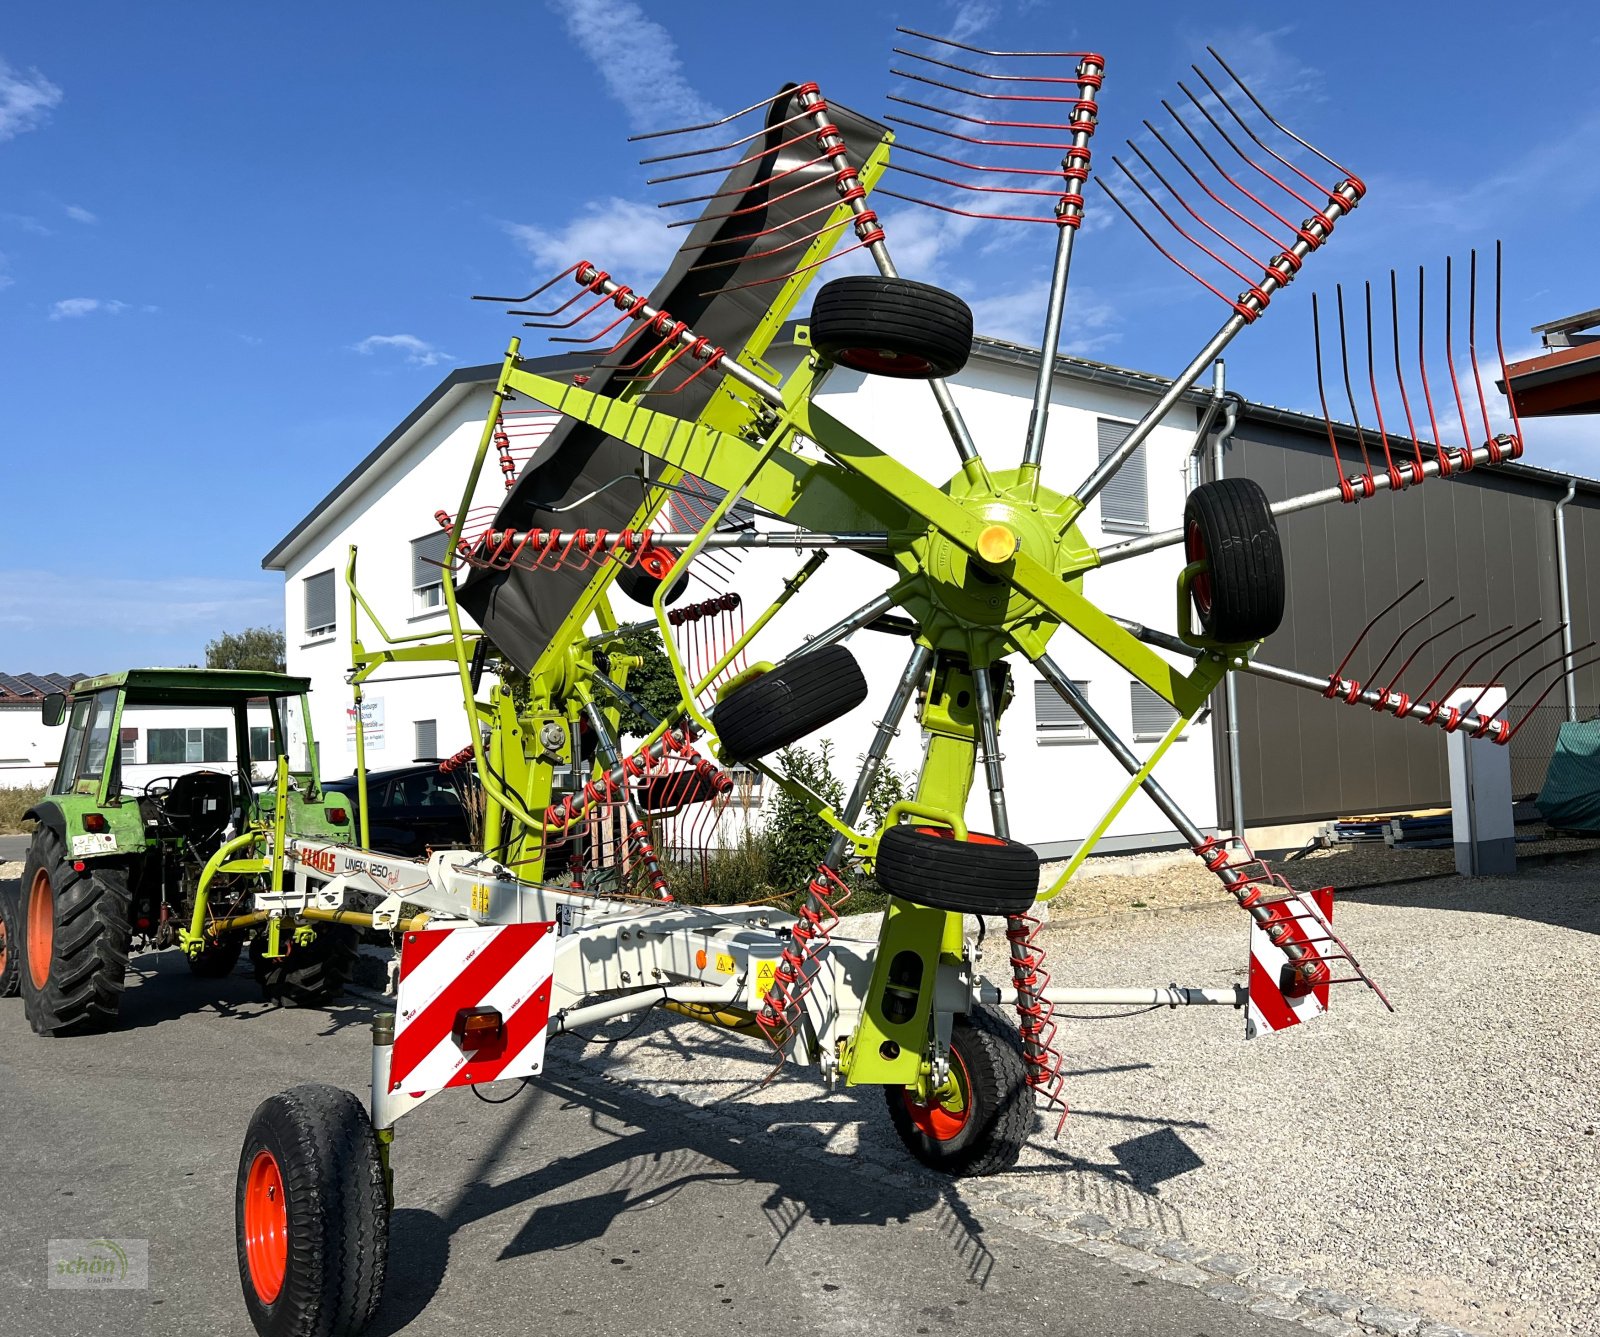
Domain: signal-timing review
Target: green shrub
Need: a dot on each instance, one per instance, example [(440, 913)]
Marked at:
[(15, 802)]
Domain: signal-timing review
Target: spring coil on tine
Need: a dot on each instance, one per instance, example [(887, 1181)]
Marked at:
[(1036, 1013), (611, 785), (793, 979)]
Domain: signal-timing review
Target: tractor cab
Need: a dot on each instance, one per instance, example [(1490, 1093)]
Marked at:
[(179, 757)]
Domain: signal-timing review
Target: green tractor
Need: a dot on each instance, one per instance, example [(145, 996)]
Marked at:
[(177, 859)]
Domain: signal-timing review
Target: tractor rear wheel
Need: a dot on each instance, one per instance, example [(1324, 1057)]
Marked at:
[(788, 702), (1228, 525), (74, 932), (216, 960), (311, 1214), (9, 944), (307, 975), (981, 875), (891, 327), (979, 1124)]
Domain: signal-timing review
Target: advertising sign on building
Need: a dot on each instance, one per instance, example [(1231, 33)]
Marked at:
[(371, 718)]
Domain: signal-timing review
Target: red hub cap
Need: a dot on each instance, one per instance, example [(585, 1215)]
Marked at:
[(946, 1114), (41, 928), (266, 1227), (884, 362)]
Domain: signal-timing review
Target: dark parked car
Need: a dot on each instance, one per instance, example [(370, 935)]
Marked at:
[(413, 808)]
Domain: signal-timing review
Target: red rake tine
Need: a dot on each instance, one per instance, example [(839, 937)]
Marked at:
[(1002, 55), (1396, 478), (739, 162), (1409, 628), (1344, 359), (1422, 645), (1199, 181), (1240, 153), (1505, 374), (1283, 129), (1450, 359), (1500, 672), (1472, 341), (709, 125), (1528, 714), (1440, 452), (974, 166), (1167, 186), (1470, 645), (1178, 228), (1386, 609), (530, 296), (1498, 645), (1322, 394), (983, 74), (1545, 668), (1400, 380), (1049, 98)]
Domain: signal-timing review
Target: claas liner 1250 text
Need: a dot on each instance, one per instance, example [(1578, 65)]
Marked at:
[(680, 446)]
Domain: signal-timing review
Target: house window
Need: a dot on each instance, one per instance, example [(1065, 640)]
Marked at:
[(1052, 716), (1123, 502), (320, 620), (427, 740), (427, 572), (1152, 716), (186, 745), (261, 743), (128, 745)]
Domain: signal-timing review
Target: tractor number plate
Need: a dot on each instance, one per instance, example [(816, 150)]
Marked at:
[(102, 843)]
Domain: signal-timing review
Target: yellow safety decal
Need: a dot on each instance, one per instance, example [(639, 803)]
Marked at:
[(726, 964)]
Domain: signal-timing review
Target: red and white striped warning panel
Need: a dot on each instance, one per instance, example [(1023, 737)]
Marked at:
[(1307, 917), (473, 1005)]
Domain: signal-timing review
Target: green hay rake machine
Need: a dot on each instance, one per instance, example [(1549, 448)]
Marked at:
[(682, 445)]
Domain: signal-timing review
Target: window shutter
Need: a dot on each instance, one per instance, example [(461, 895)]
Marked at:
[(1152, 716), (1123, 502), (427, 560), (319, 602), (1051, 713), (427, 739)]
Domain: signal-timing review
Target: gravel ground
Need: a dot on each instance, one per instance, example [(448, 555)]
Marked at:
[(1442, 1160)]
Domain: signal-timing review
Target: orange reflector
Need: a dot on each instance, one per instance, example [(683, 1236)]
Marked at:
[(700, 959), (338, 816), (478, 1028), (997, 544), (94, 821)]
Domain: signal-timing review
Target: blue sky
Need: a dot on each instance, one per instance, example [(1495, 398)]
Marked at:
[(237, 242)]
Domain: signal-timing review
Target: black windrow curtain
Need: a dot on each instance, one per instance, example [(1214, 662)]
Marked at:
[(519, 609)]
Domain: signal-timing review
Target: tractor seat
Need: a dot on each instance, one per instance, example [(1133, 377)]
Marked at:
[(199, 806)]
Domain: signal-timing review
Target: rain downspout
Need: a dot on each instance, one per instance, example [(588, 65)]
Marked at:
[(1564, 597), (1230, 681), (1191, 463)]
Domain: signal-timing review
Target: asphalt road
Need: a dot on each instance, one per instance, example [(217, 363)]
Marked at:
[(14, 848), (575, 1206)]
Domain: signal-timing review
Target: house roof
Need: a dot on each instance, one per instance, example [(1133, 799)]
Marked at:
[(20, 689), (457, 383), (463, 379)]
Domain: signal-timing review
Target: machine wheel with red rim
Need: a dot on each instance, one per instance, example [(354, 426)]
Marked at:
[(891, 327), (981, 875), (1228, 525), (977, 1124), (10, 949), (312, 1214), (74, 930)]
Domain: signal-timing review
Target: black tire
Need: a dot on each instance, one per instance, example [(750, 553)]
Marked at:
[(311, 1213), (788, 702), (216, 960), (310, 975), (891, 327), (640, 586), (982, 875), (10, 944), (1229, 525), (986, 1060), (74, 930)]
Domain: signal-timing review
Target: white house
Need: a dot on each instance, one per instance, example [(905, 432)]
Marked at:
[(1058, 779), (155, 741)]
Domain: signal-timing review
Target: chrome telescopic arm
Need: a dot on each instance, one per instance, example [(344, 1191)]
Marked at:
[(1487, 454)]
